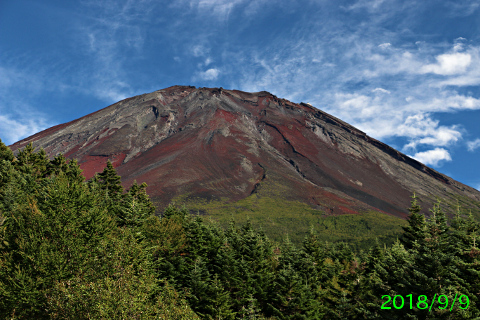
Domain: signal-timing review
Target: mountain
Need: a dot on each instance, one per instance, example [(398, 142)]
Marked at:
[(211, 145)]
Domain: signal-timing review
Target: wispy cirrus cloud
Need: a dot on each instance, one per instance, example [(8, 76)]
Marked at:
[(18, 119), (108, 32), (473, 145), (385, 90), (371, 5), (14, 129), (221, 9), (462, 7), (100, 37)]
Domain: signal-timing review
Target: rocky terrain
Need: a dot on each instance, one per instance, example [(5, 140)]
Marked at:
[(225, 145)]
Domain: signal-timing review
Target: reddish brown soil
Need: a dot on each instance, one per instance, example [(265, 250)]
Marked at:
[(226, 144)]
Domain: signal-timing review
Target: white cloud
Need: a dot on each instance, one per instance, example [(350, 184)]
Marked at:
[(449, 64), (108, 32), (222, 9), (471, 77), (385, 45), (462, 8), (433, 157), (406, 110), (382, 116), (389, 62), (17, 86), (381, 90), (424, 130), (210, 74), (199, 50), (473, 145), (12, 130), (370, 5), (459, 44), (442, 136)]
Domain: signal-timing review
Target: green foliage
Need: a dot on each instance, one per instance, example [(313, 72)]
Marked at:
[(110, 181), (47, 236), (71, 249), (119, 284), (416, 230), (278, 216), (135, 207), (65, 254), (5, 152), (434, 261)]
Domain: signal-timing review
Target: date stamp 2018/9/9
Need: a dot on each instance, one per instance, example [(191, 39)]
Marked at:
[(442, 301)]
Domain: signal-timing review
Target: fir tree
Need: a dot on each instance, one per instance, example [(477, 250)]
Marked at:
[(110, 181), (416, 230), (31, 162), (62, 256), (135, 207), (464, 238), (50, 232), (5, 152)]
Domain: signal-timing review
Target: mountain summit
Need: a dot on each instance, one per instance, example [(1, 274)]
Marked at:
[(225, 145)]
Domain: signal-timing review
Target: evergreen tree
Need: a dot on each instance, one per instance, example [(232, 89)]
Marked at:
[(71, 249), (388, 275), (61, 254), (135, 206), (50, 232), (464, 238), (110, 181), (5, 152), (124, 289), (57, 165), (31, 162), (416, 230)]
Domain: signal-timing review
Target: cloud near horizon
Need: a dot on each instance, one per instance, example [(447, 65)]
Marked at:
[(433, 157), (22, 128), (210, 74)]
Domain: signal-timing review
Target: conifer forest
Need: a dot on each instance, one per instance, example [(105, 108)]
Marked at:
[(76, 249)]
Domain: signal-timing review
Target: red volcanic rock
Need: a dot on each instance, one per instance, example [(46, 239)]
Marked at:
[(224, 144)]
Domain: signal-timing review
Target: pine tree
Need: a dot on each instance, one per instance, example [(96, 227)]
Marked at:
[(135, 207), (62, 255), (431, 269), (464, 238), (31, 162), (416, 230), (56, 165), (120, 284), (110, 181), (51, 227), (387, 276), (5, 152)]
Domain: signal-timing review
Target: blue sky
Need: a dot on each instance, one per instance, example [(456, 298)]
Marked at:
[(406, 72)]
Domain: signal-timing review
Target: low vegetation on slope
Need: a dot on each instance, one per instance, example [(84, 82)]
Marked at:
[(278, 217), (75, 249)]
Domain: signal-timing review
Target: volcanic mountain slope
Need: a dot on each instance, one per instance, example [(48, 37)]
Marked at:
[(226, 145)]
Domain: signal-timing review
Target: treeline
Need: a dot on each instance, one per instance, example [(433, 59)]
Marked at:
[(76, 249)]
